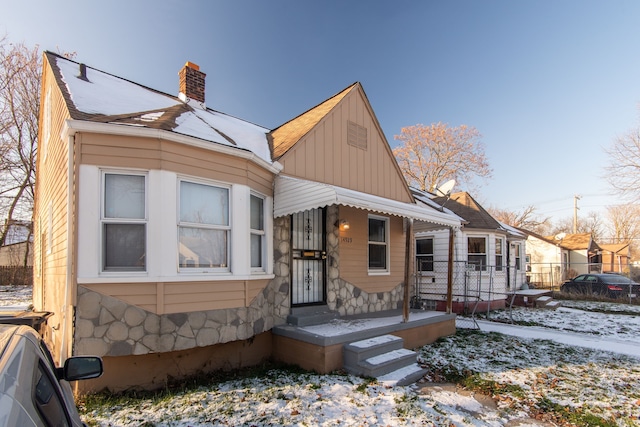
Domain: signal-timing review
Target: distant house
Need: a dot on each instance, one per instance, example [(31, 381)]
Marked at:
[(615, 257), (554, 259), (172, 238), (17, 249), (487, 257)]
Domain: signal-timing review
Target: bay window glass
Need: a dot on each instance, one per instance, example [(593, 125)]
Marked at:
[(124, 224), (203, 229), (257, 232), (378, 243), (499, 249), (517, 255), (477, 252)]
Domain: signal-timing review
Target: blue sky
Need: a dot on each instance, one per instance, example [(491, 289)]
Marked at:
[(549, 84)]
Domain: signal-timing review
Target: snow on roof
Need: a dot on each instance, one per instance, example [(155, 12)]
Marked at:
[(102, 95)]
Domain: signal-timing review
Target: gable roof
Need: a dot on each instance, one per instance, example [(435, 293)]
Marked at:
[(614, 247), (287, 135), (104, 98), (465, 206), (575, 242)]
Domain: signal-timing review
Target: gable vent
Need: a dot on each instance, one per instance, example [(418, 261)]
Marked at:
[(356, 135)]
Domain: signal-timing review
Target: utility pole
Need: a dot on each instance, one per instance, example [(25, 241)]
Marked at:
[(575, 213)]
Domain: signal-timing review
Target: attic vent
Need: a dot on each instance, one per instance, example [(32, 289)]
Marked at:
[(356, 135)]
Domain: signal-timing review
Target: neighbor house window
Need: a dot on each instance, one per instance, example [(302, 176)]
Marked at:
[(499, 252), (257, 232), (424, 254), (477, 252), (124, 222), (203, 226), (378, 244), (517, 255)]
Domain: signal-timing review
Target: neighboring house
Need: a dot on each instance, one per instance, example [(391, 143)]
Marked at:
[(487, 257), (171, 238), (553, 259), (17, 249), (615, 257)]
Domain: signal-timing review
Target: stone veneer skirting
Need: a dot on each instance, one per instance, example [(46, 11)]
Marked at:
[(107, 326)]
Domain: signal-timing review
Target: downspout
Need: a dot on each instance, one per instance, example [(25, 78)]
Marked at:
[(70, 248)]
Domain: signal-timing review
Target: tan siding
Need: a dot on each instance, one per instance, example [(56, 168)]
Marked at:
[(324, 155), (184, 297), (354, 252), (50, 262), (149, 153)]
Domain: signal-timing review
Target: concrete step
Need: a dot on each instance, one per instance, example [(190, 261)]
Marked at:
[(542, 301), (311, 315), (553, 305), (384, 363), (403, 376), (359, 351)]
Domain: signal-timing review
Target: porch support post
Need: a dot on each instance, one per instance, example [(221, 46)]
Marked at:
[(407, 268), (450, 271)]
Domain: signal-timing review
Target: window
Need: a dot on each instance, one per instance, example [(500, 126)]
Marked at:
[(517, 256), (477, 252), (499, 249), (257, 232), (424, 254), (378, 243), (203, 229), (124, 223)]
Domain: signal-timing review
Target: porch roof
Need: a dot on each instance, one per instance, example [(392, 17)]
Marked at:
[(293, 195)]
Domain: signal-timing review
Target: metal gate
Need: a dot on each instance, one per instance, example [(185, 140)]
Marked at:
[(309, 255)]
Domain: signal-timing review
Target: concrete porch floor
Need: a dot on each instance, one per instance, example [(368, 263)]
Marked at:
[(319, 347)]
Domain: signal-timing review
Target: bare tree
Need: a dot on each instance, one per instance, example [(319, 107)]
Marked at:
[(592, 223), (526, 219), (20, 75), (623, 170), (430, 155)]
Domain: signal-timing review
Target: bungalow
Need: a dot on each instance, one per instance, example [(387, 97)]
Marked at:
[(553, 259), (173, 239), (486, 254)]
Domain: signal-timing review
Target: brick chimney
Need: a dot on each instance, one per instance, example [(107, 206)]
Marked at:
[(191, 82)]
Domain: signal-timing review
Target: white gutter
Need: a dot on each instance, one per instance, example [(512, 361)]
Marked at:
[(71, 127)]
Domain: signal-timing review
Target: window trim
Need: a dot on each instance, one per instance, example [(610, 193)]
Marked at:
[(256, 232), (425, 257), (216, 227), (386, 244), (483, 266), (104, 220), (499, 242)]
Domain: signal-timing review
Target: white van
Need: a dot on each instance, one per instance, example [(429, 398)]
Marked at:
[(33, 392)]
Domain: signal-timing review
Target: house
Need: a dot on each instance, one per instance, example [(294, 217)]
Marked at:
[(173, 239), (615, 257), (17, 248), (487, 257), (553, 259)]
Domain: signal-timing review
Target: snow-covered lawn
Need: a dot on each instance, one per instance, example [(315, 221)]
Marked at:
[(502, 375)]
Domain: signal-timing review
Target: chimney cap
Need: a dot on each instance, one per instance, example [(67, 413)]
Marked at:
[(192, 65)]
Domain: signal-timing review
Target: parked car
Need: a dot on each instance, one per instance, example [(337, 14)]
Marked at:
[(33, 392), (606, 285)]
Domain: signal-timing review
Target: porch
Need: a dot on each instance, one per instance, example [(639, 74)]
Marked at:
[(319, 347)]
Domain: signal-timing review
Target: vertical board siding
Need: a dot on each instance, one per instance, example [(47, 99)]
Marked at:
[(324, 155)]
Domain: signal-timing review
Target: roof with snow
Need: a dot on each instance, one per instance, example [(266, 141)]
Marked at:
[(97, 96)]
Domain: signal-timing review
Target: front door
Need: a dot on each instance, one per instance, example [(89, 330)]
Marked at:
[(309, 255)]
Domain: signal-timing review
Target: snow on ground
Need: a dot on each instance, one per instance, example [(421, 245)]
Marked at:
[(530, 375)]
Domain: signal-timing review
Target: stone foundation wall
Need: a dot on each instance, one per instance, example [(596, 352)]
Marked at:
[(106, 326), (344, 297)]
